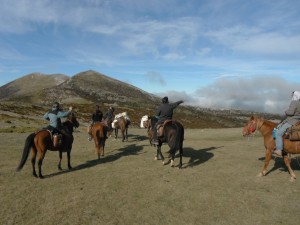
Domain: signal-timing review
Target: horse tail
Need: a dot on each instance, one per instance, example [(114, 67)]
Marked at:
[(28, 145), (177, 141)]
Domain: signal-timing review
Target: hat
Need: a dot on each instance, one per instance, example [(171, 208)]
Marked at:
[(165, 100), (296, 95)]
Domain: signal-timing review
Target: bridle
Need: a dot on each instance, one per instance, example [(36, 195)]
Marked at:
[(254, 126)]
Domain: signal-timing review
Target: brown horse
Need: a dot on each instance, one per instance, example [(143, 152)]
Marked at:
[(266, 127), (146, 123), (122, 124), (41, 141), (173, 135), (99, 131)]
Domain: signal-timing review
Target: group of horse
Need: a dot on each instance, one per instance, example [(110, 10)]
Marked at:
[(101, 130), (42, 140), (171, 133)]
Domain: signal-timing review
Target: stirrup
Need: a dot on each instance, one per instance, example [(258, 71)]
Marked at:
[(154, 142)]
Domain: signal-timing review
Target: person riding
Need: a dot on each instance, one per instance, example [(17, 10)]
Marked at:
[(109, 116), (96, 117), (110, 113), (54, 117), (293, 117), (164, 112)]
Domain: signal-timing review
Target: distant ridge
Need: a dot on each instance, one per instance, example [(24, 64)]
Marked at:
[(34, 93), (85, 87)]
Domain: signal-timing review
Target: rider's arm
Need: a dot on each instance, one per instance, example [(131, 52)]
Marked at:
[(292, 108), (175, 104), (61, 114), (46, 116)]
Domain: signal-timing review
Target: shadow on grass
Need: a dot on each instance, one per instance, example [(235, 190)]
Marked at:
[(125, 151), (197, 156), (279, 164)]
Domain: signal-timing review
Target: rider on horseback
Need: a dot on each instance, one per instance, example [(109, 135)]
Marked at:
[(293, 117), (109, 116), (54, 116), (96, 117), (164, 112)]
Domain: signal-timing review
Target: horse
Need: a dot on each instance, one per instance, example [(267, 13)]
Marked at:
[(173, 135), (41, 141), (121, 122), (98, 133), (146, 123), (266, 127)]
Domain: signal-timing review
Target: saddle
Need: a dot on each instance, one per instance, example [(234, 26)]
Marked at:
[(294, 132), (56, 137), (160, 128)]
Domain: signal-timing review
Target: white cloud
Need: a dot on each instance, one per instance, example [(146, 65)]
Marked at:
[(261, 94)]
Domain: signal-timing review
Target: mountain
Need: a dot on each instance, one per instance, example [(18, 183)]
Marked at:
[(36, 92), (30, 85)]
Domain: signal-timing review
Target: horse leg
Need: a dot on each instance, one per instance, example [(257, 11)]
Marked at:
[(126, 134), (40, 162), (123, 135), (172, 160), (33, 159), (267, 161), (116, 133), (288, 165), (102, 147), (69, 159), (159, 153), (97, 147), (180, 157), (59, 162)]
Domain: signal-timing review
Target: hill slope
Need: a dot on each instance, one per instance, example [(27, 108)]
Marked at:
[(35, 93)]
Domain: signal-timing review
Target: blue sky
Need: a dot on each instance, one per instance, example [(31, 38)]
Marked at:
[(209, 53)]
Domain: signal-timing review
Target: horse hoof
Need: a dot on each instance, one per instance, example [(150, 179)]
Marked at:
[(172, 163), (59, 168), (41, 177), (155, 158), (70, 167), (293, 179)]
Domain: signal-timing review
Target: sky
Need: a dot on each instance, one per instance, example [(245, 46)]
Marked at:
[(228, 54)]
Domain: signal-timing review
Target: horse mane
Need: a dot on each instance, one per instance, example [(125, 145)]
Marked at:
[(266, 122)]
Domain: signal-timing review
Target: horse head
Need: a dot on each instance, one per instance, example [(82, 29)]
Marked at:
[(71, 122), (251, 126)]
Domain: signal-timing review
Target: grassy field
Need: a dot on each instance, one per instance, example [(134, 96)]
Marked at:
[(218, 184)]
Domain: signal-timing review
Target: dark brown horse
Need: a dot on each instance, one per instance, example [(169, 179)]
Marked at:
[(121, 123), (41, 141), (266, 127), (173, 135), (99, 131)]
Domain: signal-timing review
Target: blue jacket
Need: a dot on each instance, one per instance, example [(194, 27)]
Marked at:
[(54, 117)]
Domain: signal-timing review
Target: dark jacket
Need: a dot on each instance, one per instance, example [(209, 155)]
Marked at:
[(97, 116), (165, 111), (109, 114)]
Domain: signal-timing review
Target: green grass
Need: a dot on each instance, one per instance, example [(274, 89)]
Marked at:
[(218, 184)]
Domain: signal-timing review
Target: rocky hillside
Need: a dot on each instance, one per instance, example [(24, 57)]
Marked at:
[(34, 94)]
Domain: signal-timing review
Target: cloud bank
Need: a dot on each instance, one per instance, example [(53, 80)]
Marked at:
[(259, 94)]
